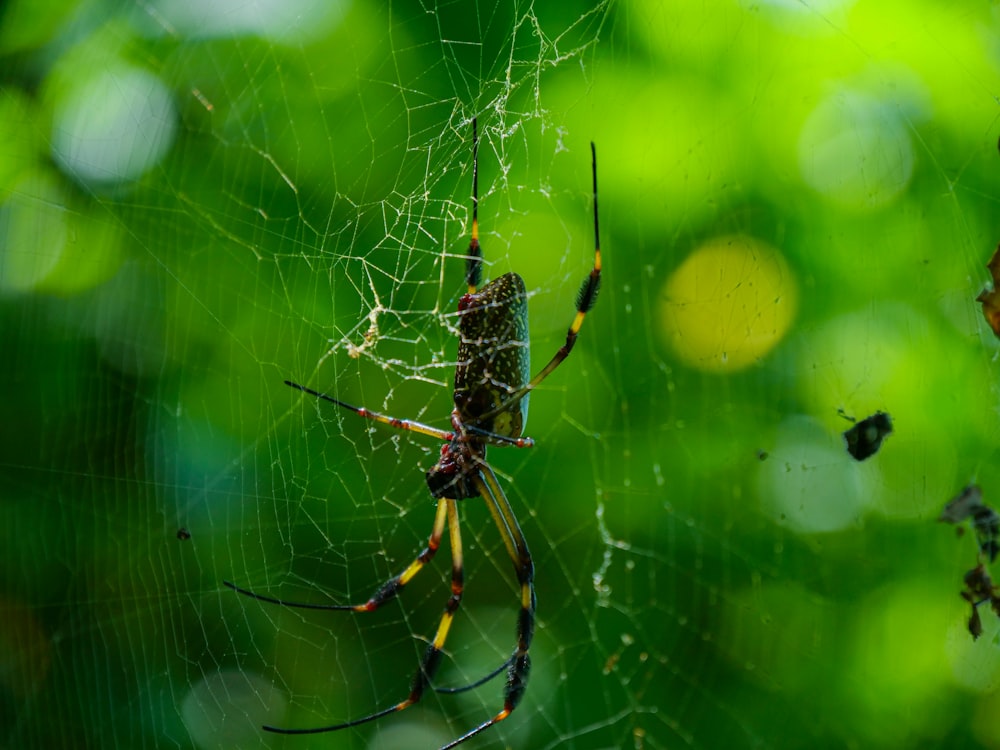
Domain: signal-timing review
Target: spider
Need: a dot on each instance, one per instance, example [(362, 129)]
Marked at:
[(491, 406)]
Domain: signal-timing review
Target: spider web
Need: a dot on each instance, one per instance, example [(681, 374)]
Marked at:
[(200, 203)]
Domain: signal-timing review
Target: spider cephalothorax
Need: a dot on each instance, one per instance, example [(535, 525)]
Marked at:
[(451, 476)]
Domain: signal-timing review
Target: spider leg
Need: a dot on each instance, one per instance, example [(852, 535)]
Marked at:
[(399, 424), (513, 539), (431, 660), (386, 591), (474, 262), (494, 438), (481, 681), (585, 300)]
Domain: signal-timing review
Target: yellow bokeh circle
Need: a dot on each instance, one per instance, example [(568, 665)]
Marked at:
[(728, 304)]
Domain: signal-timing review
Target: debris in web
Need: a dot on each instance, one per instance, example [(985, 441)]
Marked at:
[(979, 588), (985, 522), (865, 437), (990, 296)]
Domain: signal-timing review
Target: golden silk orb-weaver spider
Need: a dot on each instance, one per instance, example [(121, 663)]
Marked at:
[(491, 406)]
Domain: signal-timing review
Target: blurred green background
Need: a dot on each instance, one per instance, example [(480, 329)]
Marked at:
[(200, 200)]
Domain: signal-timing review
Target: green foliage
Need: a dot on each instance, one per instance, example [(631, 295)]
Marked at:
[(197, 205)]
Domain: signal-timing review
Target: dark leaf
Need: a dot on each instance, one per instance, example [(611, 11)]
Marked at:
[(975, 624), (964, 505), (990, 297)]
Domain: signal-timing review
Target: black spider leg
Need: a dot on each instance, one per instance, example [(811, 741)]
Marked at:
[(481, 681), (517, 547), (399, 424), (447, 515), (385, 592), (395, 584), (411, 426), (495, 439), (474, 261), (585, 300)]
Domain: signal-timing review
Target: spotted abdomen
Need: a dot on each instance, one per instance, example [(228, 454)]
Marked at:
[(493, 358)]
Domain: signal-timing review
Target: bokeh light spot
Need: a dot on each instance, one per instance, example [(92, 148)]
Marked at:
[(226, 709), (809, 483), (114, 126), (728, 304), (975, 664), (34, 232), (856, 151), (278, 20), (891, 677)]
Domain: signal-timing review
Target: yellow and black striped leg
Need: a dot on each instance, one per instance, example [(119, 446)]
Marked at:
[(432, 656), (519, 667), (447, 513), (474, 258), (386, 591)]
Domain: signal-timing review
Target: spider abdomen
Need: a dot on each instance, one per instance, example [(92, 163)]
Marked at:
[(493, 357)]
